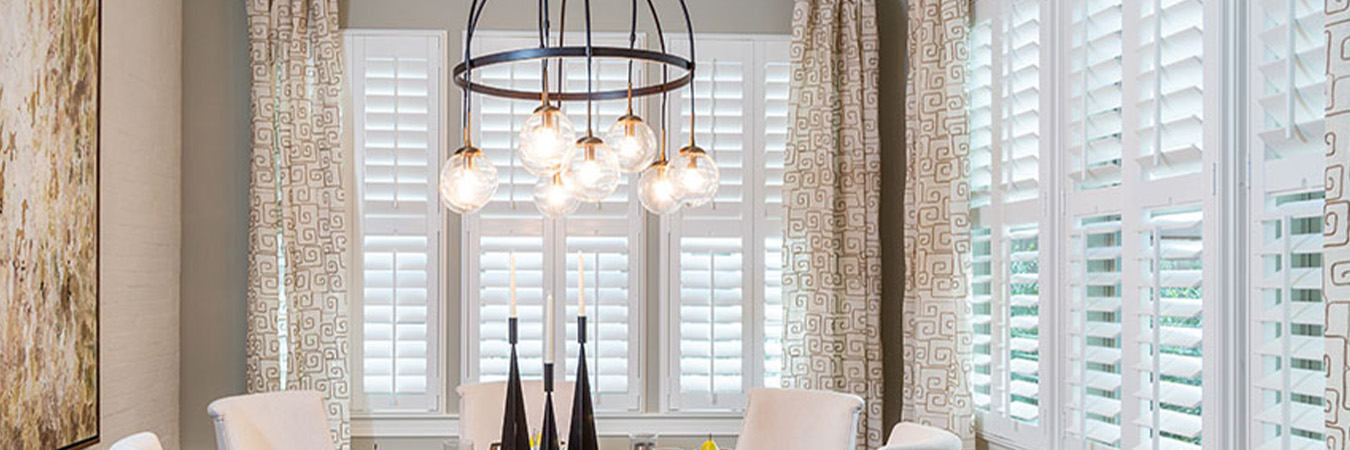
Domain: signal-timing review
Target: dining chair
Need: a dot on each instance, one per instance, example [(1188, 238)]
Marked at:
[(913, 436), (138, 441), (788, 419), (483, 406), (271, 421)]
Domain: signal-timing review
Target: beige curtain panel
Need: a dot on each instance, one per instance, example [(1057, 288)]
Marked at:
[(832, 193), (1336, 244), (298, 218), (937, 332)]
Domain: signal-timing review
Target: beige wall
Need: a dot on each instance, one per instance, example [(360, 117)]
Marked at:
[(139, 232)]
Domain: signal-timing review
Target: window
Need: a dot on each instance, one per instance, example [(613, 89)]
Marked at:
[(722, 342), (1006, 129), (1139, 207), (604, 234), (395, 84), (725, 258), (1134, 159), (1287, 60)]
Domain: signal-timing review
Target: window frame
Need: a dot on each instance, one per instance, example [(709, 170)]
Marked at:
[(670, 231), (653, 414), (437, 310), (1228, 349)]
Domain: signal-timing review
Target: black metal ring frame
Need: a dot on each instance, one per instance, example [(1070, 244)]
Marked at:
[(547, 53)]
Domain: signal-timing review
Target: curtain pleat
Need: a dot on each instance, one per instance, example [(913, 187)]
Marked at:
[(936, 327), (1336, 213), (832, 195), (297, 206)]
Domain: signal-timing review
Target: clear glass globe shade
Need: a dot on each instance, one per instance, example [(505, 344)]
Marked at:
[(552, 199), (696, 175), (657, 190), (591, 172), (544, 141), (634, 142), (468, 181)]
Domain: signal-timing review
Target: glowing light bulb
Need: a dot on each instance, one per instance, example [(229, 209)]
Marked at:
[(634, 143), (468, 181), (696, 175), (657, 190), (544, 141), (591, 172), (552, 199)]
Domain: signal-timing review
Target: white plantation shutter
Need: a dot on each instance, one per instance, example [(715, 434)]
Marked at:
[(772, 56), (713, 291), (608, 235), (1288, 57), (725, 258), (1006, 148), (546, 249), (981, 97), (1094, 397), (1170, 315), (396, 82), (1095, 39), (1137, 349), (1287, 375)]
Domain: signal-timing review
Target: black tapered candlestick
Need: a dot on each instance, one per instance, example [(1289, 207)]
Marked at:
[(515, 427), (582, 436), (548, 437)]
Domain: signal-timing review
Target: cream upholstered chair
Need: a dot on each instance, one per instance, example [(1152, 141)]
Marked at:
[(483, 405), (785, 419), (912, 436), (271, 421), (138, 441)]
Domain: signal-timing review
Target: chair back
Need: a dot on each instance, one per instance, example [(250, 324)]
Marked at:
[(787, 419), (272, 421), (483, 405), (138, 441), (913, 436)]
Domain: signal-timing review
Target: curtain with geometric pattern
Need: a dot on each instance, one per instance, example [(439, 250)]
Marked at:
[(1336, 223), (297, 244), (831, 198), (937, 333)]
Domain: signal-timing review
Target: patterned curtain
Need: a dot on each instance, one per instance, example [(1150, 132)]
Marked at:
[(937, 331), (297, 292), (832, 193), (1336, 220)]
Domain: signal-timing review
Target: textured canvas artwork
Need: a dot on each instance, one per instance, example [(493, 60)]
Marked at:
[(49, 105)]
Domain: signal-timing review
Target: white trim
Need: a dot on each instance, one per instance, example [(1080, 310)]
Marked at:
[(447, 426)]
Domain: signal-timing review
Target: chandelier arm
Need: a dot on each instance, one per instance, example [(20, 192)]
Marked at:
[(689, 26), (632, 44), (468, 74), (562, 36), (665, 78), (543, 43), (590, 50)]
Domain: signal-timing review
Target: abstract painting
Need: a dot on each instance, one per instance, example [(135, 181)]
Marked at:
[(49, 284)]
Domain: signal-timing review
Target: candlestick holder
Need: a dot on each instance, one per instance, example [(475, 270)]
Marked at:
[(582, 435), (515, 426), (549, 438)]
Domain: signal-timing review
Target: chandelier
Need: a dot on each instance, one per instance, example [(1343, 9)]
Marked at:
[(582, 166)]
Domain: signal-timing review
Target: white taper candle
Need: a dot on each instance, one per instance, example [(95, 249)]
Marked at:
[(548, 330), (581, 284), (513, 284)]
